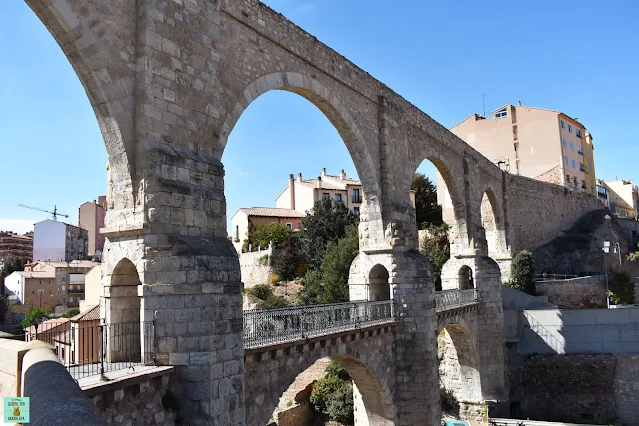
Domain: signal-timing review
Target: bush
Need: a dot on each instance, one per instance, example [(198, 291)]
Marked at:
[(448, 401), (621, 289), (261, 291), (71, 313), (332, 395), (274, 279), (522, 272), (285, 262)]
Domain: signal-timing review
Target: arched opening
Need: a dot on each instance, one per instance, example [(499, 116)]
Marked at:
[(465, 278), (325, 385), (438, 209), (379, 287), (459, 377), (320, 156), (492, 224), (122, 308)]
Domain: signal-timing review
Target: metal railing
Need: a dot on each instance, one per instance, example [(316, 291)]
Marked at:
[(94, 349), (452, 299), (265, 327), (552, 277)]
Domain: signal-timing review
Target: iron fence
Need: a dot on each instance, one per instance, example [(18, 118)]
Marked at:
[(264, 327), (94, 348), (552, 277), (451, 299)]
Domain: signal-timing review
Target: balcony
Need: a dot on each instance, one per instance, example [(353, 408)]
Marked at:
[(582, 168), (357, 199)]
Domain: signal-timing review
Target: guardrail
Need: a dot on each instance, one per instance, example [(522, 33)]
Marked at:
[(552, 277), (452, 299), (265, 327)]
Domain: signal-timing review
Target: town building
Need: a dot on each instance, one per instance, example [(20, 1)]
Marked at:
[(91, 217), (302, 194), (92, 288), (246, 219), (16, 247), (59, 241), (622, 197), (541, 144), (30, 289)]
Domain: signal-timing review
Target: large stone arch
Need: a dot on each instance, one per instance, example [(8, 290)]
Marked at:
[(104, 58), (465, 369), (366, 357)]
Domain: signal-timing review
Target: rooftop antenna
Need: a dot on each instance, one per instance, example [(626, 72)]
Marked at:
[(483, 102)]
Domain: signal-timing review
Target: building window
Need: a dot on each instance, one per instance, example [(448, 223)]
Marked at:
[(578, 133), (356, 198), (356, 212), (237, 232), (566, 160), (569, 128), (32, 291), (326, 196), (516, 144), (338, 197), (563, 141), (580, 150), (572, 146), (501, 113), (568, 178), (562, 124), (289, 226), (574, 164)]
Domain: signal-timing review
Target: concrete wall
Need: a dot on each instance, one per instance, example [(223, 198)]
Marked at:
[(594, 389), (576, 293), (582, 331)]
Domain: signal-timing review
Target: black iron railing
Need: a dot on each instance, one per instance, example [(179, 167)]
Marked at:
[(89, 348), (453, 299), (265, 327)]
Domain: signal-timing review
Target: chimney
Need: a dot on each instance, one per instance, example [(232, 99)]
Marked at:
[(299, 177), (323, 172), (342, 174), (291, 189), (319, 182), (518, 103)]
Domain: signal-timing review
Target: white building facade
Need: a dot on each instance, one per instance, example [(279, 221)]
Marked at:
[(59, 242)]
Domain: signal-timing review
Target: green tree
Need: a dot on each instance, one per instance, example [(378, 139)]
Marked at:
[(330, 283), (264, 234), (522, 272), (9, 267), (285, 262), (633, 256), (327, 222), (436, 248), (332, 395), (71, 313), (621, 289), (35, 316), (427, 211)]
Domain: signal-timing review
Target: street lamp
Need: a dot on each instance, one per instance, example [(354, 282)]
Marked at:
[(618, 251)]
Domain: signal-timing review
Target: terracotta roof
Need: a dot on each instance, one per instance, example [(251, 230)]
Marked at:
[(89, 315), (47, 325), (271, 212)]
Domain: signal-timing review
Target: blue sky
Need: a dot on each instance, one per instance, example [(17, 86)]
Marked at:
[(580, 57)]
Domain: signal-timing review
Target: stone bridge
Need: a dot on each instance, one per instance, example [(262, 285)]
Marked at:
[(168, 80)]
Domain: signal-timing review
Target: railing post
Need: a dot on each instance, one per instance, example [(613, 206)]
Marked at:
[(102, 349), (303, 323)]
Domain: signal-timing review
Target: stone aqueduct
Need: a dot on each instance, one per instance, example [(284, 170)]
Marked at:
[(168, 80)]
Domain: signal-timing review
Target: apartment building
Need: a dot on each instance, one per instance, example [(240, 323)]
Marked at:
[(59, 241), (302, 194), (14, 246), (91, 217), (31, 289), (622, 197), (537, 143)]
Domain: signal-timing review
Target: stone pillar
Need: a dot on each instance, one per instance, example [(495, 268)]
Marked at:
[(416, 397)]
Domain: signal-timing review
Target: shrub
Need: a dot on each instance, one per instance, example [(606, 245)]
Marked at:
[(301, 270), (261, 291), (332, 395), (621, 289), (448, 401), (264, 234), (274, 279), (71, 313), (264, 259), (285, 262), (522, 272)]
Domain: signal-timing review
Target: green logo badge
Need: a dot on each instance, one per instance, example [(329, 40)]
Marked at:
[(16, 409)]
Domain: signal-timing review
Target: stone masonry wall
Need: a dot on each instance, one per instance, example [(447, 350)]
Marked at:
[(577, 293), (140, 404), (253, 270), (539, 211), (597, 389)]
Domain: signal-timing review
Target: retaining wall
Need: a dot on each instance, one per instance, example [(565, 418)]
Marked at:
[(575, 293)]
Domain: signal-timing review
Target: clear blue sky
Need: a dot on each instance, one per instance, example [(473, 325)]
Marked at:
[(580, 57)]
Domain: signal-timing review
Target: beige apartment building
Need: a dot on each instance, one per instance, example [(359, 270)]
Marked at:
[(621, 197), (246, 219), (91, 217), (537, 143), (302, 194)]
